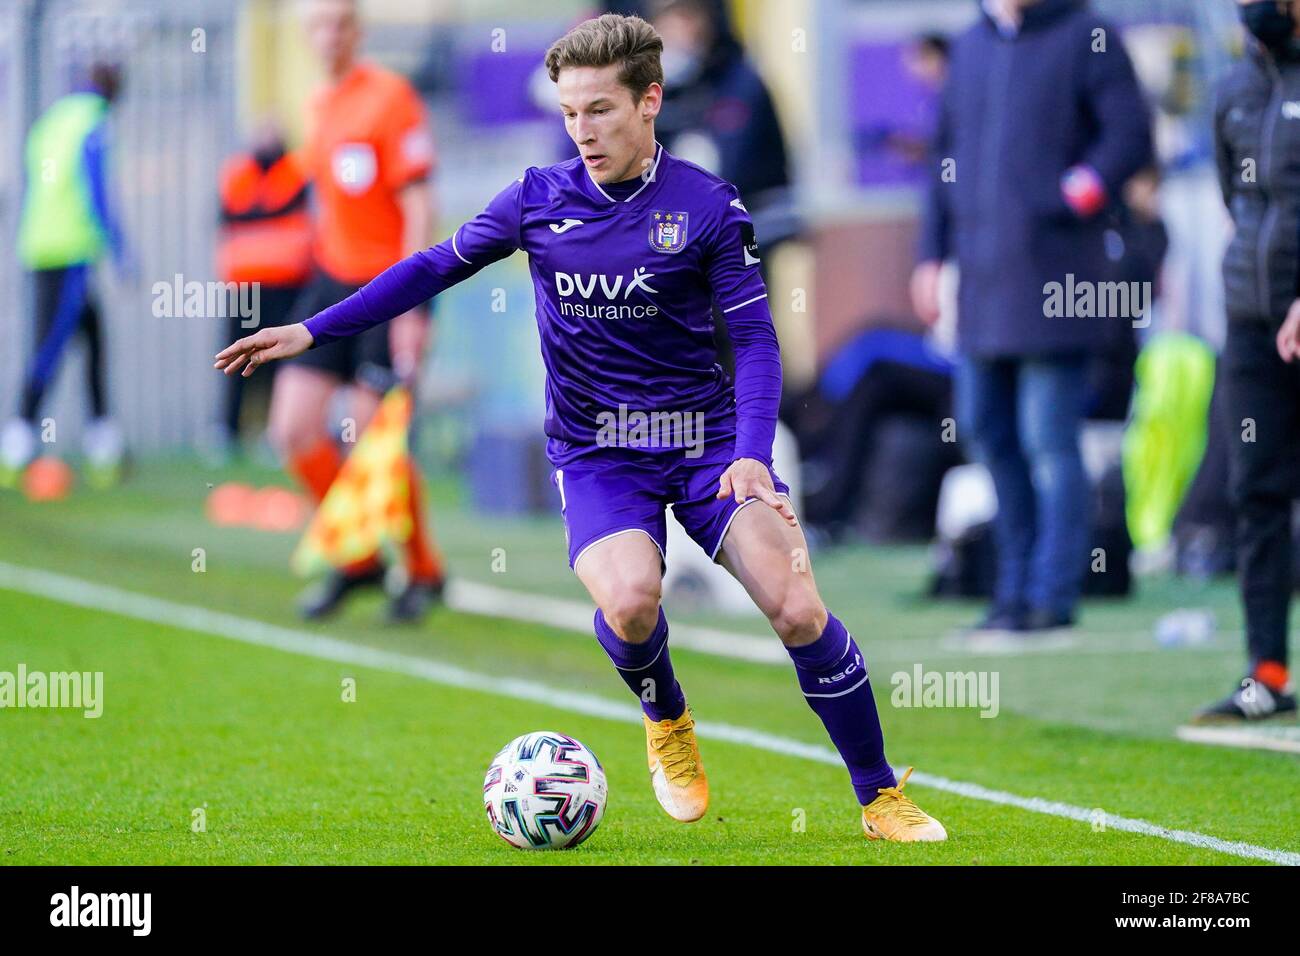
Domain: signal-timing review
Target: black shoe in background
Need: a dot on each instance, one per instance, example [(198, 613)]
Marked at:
[(1002, 619), (326, 596), (1012, 631), (1251, 702), (1000, 627), (415, 601), (1040, 620)]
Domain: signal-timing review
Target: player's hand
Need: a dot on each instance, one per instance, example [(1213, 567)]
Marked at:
[(1288, 337), (408, 334), (925, 291), (248, 353), (748, 478)]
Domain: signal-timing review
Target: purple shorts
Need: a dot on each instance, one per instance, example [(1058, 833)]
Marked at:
[(612, 491)]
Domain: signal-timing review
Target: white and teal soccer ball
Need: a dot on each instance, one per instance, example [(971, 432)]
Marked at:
[(545, 791)]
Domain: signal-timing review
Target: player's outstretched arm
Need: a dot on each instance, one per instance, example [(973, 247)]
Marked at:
[(490, 236), (261, 347)]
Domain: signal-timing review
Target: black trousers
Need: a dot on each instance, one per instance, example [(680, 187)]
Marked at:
[(1263, 395), (843, 443), (57, 288)]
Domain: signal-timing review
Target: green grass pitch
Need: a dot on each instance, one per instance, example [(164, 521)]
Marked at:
[(285, 771)]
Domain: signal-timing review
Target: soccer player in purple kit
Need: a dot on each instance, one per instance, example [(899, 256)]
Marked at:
[(629, 247)]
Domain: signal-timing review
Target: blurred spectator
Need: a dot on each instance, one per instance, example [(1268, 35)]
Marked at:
[(927, 61), (717, 111), (1041, 126), (882, 377), (1137, 243), (875, 398), (265, 239), (68, 221), (718, 114), (1261, 186)]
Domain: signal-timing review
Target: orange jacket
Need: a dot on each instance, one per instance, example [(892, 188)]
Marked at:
[(266, 233)]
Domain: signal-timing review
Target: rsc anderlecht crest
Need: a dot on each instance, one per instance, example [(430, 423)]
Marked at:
[(667, 231)]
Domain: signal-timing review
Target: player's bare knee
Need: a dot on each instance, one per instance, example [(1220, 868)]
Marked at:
[(633, 611), (799, 617)]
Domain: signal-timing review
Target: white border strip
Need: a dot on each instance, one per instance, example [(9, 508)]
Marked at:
[(654, 171), (98, 597), (732, 517), (457, 251), (614, 534), (567, 615), (1245, 738), (865, 677), (474, 597), (746, 302)]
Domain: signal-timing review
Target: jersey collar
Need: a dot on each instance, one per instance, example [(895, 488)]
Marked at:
[(650, 180)]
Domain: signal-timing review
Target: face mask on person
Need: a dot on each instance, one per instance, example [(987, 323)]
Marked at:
[(1272, 23), (681, 67)]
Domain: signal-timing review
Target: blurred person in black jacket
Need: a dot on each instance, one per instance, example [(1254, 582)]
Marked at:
[(1257, 137), (718, 114), (717, 111)]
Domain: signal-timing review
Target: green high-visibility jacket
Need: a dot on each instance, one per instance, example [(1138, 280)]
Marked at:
[(1165, 440), (59, 227)]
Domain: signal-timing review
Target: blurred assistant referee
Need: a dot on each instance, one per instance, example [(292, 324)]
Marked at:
[(369, 155)]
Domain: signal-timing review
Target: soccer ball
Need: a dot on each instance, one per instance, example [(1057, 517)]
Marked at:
[(545, 791)]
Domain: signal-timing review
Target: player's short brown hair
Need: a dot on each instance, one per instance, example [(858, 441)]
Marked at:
[(612, 39)]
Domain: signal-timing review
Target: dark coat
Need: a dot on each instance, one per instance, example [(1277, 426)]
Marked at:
[(1257, 136), (1018, 112), (729, 104)]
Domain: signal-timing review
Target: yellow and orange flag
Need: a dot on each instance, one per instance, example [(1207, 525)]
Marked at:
[(367, 509)]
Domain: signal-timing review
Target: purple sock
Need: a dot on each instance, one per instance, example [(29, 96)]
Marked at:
[(645, 668), (833, 678)]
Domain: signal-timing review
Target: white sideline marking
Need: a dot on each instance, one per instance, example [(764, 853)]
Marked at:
[(98, 597), (1282, 739), (473, 597)]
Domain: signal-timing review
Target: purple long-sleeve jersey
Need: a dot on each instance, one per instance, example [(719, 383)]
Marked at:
[(625, 277)]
